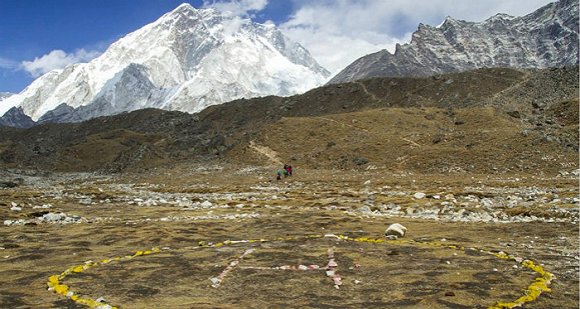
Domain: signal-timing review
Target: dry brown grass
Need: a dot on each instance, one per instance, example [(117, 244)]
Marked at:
[(390, 275), (427, 140)]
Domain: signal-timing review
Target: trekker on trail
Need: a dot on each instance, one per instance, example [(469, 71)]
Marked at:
[(287, 172)]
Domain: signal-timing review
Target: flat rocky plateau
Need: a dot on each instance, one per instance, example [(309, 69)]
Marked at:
[(221, 236)]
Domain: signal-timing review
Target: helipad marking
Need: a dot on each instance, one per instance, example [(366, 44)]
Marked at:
[(216, 281), (534, 290)]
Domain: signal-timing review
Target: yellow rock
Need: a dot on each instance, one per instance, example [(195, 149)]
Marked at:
[(61, 289), (78, 269)]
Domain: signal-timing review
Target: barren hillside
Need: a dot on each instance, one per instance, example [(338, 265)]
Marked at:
[(489, 120)]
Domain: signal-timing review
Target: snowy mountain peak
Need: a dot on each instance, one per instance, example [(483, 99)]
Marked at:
[(449, 23), (450, 20), (183, 7), (185, 14), (186, 60)]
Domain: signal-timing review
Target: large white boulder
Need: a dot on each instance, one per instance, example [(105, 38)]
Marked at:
[(396, 229), (419, 195)]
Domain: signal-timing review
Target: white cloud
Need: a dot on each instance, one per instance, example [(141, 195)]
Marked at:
[(6, 63), (337, 32), (237, 7), (56, 59)]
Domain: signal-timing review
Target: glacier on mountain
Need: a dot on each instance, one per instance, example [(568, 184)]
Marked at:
[(186, 60), (4, 95)]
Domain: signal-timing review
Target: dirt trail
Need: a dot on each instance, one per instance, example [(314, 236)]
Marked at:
[(267, 152), (521, 82), (366, 91)]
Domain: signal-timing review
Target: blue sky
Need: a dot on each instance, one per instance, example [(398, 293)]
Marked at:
[(37, 35)]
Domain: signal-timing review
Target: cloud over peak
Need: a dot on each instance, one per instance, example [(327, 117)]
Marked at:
[(237, 7), (56, 59)]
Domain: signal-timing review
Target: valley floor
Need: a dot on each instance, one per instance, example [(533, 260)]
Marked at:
[(217, 237)]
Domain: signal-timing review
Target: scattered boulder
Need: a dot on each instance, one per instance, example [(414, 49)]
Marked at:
[(38, 214), (396, 229), (365, 209), (43, 206), (438, 138), (514, 114), (361, 161), (53, 217), (14, 222), (419, 195), (86, 201), (8, 184)]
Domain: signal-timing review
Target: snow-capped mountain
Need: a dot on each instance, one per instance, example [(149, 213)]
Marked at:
[(545, 38), (4, 95), (186, 60)]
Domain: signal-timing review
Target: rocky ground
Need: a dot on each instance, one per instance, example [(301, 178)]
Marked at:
[(219, 237)]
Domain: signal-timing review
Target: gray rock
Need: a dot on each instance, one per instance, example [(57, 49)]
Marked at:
[(365, 209), (86, 201), (15, 117), (53, 217)]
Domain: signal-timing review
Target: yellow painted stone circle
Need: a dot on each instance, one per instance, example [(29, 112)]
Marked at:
[(532, 292)]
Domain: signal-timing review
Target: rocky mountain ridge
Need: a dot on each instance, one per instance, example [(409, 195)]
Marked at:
[(545, 38), (15, 117), (186, 60), (446, 122)]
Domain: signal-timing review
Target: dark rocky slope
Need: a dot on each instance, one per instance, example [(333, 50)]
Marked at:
[(533, 102)]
